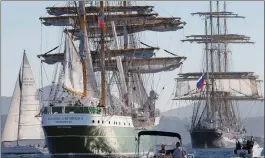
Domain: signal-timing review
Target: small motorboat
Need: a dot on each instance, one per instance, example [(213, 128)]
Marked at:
[(167, 153), (247, 148)]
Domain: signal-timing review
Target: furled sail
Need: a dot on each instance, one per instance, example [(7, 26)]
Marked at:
[(152, 65), (58, 11), (133, 52), (73, 71), (21, 122), (72, 20), (133, 28)]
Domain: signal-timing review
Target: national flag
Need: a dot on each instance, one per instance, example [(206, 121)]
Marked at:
[(101, 22), (200, 82), (234, 137)]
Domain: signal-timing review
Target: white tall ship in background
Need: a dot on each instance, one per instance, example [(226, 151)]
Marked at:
[(216, 119)]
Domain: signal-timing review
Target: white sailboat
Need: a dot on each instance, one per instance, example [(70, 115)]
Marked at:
[(21, 123)]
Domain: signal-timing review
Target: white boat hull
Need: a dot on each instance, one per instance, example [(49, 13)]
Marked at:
[(20, 150)]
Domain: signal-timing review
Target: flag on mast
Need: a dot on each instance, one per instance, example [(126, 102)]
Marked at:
[(200, 82), (101, 22)]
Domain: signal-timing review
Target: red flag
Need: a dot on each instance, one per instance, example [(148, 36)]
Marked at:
[(101, 22), (234, 137)]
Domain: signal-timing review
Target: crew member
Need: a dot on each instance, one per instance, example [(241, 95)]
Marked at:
[(178, 152), (163, 149)]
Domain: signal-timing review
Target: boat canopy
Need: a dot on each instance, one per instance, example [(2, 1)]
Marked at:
[(159, 133), (156, 133)]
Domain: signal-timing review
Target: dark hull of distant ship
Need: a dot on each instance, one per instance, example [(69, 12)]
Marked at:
[(209, 138)]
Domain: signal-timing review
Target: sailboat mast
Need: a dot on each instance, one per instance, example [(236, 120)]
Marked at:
[(20, 98), (102, 54), (211, 55), (83, 27)]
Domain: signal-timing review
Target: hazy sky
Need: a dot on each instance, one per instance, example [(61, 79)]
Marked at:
[(21, 29)]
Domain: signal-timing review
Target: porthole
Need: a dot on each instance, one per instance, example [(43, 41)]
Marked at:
[(129, 124), (119, 123), (98, 121), (102, 121), (109, 122), (93, 121), (124, 123)]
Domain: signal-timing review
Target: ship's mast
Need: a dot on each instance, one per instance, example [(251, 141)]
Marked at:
[(102, 55), (125, 29), (218, 32), (207, 73), (225, 44), (83, 28), (212, 63), (20, 98), (125, 40)]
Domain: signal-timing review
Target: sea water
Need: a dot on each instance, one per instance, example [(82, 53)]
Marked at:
[(197, 153)]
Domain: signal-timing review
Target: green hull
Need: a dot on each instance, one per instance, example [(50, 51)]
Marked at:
[(96, 140)]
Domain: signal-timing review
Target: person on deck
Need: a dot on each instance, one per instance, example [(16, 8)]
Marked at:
[(238, 145), (163, 149), (178, 153)]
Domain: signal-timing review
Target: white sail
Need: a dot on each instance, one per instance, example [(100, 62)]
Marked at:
[(139, 94), (21, 122), (10, 132), (73, 71), (237, 87)]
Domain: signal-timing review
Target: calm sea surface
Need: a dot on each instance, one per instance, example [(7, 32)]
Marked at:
[(198, 153)]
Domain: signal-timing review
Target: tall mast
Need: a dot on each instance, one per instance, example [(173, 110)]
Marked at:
[(212, 66), (125, 44), (225, 44), (83, 28), (218, 32), (102, 54), (125, 29), (20, 98), (207, 72)]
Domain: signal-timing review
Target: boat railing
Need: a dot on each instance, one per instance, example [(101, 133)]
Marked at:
[(72, 109), (83, 110)]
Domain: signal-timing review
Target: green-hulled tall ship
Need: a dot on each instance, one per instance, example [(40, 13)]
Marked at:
[(99, 102)]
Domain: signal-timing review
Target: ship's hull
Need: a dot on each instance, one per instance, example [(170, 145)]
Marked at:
[(95, 140), (211, 138)]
